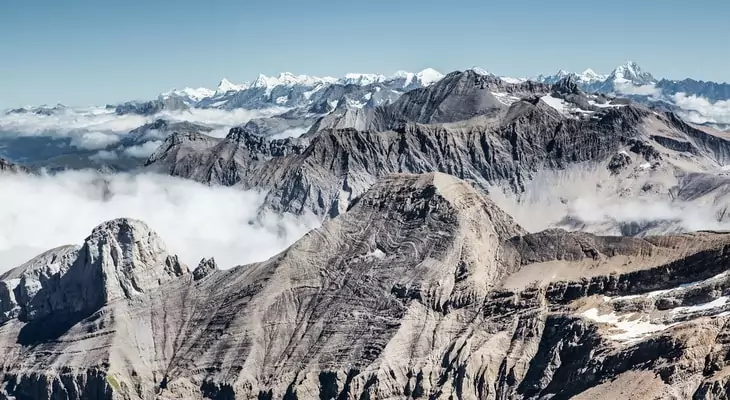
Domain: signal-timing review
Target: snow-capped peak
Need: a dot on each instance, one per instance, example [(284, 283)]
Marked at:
[(480, 71), (288, 79), (227, 86), (424, 78), (631, 72), (361, 79), (190, 93), (590, 76), (429, 76)]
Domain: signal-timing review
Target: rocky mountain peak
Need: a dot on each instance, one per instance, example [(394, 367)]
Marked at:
[(206, 267), (132, 258), (631, 72), (567, 85), (227, 86), (435, 195), (121, 258)]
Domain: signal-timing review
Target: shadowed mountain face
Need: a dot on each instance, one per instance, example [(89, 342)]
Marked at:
[(423, 288), (9, 167), (514, 134)]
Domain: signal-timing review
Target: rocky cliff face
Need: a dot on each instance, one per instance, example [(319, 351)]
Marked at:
[(321, 173), (9, 167), (422, 288)]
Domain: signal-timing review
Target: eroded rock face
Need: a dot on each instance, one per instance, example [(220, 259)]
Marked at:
[(205, 268), (422, 288), (9, 167), (121, 259)]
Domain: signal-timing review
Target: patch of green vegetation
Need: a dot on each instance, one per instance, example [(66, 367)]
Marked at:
[(113, 382)]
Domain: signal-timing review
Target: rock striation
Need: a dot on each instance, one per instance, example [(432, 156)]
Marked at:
[(421, 288)]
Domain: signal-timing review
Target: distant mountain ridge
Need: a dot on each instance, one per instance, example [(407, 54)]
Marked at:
[(630, 76), (288, 89), (371, 90)]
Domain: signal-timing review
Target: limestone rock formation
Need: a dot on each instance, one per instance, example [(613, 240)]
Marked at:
[(422, 288), (9, 167)]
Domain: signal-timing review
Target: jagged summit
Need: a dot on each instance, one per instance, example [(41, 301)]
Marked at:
[(227, 86), (567, 85), (479, 71), (631, 72), (121, 259)]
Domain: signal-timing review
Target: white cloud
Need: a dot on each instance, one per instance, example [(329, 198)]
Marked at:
[(631, 89), (41, 212), (585, 197), (290, 133), (217, 117), (153, 134), (143, 150), (69, 121), (76, 122), (701, 110), (104, 155), (94, 140)]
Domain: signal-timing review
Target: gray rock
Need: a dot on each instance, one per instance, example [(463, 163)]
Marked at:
[(422, 288), (205, 268), (10, 167)]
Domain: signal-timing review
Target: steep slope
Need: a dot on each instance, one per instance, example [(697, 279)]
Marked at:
[(456, 97), (506, 147), (422, 289)]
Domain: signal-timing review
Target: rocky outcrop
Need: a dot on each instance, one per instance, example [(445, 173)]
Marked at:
[(423, 288), (120, 259), (205, 268), (151, 107), (9, 167)]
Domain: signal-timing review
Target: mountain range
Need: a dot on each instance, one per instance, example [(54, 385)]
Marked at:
[(293, 91), (318, 95), (481, 237)]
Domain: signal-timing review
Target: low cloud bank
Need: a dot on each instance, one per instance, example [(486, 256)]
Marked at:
[(38, 213), (98, 128), (701, 110), (640, 90), (572, 200)]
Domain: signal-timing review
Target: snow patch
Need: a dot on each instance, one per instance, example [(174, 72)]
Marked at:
[(377, 253), (719, 302), (605, 105), (507, 79), (625, 329), (559, 105), (506, 98)]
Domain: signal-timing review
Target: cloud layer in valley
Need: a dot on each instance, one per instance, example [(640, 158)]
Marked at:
[(97, 128), (700, 110), (564, 199), (42, 212)]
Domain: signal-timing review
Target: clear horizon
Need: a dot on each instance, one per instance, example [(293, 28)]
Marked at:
[(94, 53)]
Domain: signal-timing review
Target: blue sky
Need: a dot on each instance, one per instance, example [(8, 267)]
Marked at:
[(82, 52)]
